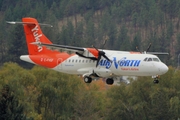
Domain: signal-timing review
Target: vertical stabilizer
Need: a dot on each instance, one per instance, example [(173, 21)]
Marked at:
[(33, 33)]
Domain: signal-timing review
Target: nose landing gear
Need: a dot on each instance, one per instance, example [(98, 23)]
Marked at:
[(156, 79)]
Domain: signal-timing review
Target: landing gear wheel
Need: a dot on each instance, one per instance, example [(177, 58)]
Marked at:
[(87, 79), (109, 81), (156, 81)]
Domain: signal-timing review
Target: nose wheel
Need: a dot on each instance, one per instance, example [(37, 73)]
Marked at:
[(156, 79)]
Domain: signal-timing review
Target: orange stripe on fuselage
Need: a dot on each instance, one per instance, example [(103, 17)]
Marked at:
[(93, 51), (134, 52), (50, 60)]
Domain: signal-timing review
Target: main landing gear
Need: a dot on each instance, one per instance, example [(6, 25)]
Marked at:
[(109, 81), (156, 79), (88, 79)]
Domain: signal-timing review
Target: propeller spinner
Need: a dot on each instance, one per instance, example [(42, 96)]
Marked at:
[(100, 54)]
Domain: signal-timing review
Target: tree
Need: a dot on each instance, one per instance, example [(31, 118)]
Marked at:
[(78, 35), (3, 50), (89, 103), (112, 34), (10, 108), (90, 33), (123, 42), (17, 47), (136, 42), (56, 92), (160, 105)]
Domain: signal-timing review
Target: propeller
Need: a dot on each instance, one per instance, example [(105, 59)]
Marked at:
[(92, 58), (101, 53), (148, 48), (144, 51)]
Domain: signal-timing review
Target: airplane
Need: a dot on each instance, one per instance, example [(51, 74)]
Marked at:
[(90, 63)]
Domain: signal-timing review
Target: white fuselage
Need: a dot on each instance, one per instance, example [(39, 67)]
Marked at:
[(88, 62), (122, 64)]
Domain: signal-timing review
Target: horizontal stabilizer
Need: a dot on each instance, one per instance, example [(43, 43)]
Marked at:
[(29, 23)]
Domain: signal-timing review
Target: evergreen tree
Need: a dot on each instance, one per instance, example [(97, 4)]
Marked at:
[(123, 42), (90, 33), (10, 108), (17, 46), (136, 42)]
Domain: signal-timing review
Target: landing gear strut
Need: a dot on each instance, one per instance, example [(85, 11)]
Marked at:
[(156, 79)]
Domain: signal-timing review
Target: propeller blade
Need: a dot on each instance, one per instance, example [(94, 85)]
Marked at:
[(148, 47), (101, 53), (95, 48), (106, 58), (92, 58), (104, 44), (97, 63)]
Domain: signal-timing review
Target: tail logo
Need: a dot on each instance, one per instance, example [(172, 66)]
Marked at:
[(37, 37)]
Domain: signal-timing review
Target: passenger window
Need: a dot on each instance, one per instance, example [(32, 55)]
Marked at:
[(76, 61), (150, 59), (70, 60), (82, 60), (79, 61)]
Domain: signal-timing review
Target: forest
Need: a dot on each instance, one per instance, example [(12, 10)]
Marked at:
[(31, 92), (43, 94)]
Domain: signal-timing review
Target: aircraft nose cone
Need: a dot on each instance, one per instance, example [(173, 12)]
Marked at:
[(164, 68)]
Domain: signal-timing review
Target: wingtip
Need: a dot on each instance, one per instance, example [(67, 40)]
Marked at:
[(11, 22)]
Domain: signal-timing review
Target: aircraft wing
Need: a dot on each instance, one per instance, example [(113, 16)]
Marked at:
[(158, 53), (79, 50)]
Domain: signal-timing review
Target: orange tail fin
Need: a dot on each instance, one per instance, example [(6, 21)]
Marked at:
[(33, 33)]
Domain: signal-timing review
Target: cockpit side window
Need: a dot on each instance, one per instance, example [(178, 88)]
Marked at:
[(149, 59), (156, 59), (145, 59)]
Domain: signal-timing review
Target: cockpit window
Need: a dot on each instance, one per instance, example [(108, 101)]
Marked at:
[(152, 59), (156, 59), (145, 59), (149, 59)]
